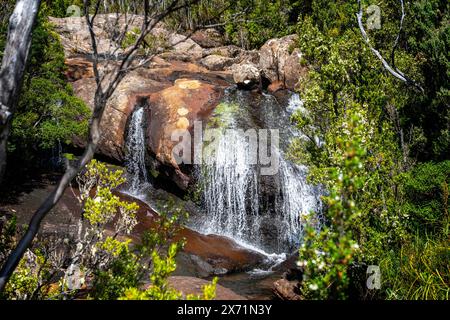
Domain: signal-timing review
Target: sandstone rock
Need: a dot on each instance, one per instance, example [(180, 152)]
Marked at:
[(276, 86), (219, 252), (78, 68), (294, 71), (180, 43), (75, 37), (208, 38), (216, 62), (286, 290), (279, 61), (119, 107), (230, 51), (190, 285), (246, 75), (194, 99)]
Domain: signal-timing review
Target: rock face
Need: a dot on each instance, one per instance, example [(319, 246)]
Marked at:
[(164, 90), (279, 62), (246, 75), (177, 108), (216, 62), (208, 38), (78, 68), (286, 290), (119, 106), (191, 285)]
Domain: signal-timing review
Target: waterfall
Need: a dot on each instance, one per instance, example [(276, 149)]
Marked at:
[(135, 156), (263, 212), (228, 184)]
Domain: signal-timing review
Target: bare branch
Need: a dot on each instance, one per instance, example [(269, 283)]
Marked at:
[(100, 100), (391, 69)]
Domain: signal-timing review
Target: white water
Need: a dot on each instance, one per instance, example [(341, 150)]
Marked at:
[(237, 205), (135, 156)]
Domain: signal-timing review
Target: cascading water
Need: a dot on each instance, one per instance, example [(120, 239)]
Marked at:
[(135, 156), (260, 211)]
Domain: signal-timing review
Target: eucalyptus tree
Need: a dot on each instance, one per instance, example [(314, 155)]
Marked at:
[(12, 70)]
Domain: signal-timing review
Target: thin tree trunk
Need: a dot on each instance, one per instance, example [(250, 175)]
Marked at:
[(12, 70)]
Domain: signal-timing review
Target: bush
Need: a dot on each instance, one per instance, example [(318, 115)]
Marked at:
[(419, 271), (426, 192), (48, 113)]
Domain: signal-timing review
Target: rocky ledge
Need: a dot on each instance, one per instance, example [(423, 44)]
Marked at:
[(179, 86)]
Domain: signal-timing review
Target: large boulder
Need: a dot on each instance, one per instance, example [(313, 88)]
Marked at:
[(118, 108), (177, 108), (138, 86), (246, 75), (179, 43), (281, 62)]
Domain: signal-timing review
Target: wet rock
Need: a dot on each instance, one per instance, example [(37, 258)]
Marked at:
[(171, 110), (191, 285), (202, 255), (246, 75), (216, 62), (118, 109), (193, 265), (221, 253)]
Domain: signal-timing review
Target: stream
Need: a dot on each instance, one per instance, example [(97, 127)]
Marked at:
[(241, 213), (259, 212)]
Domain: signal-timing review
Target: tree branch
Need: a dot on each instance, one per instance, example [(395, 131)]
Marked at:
[(100, 101), (391, 69)]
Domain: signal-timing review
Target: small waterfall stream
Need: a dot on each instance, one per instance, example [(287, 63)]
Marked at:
[(135, 154), (261, 212)]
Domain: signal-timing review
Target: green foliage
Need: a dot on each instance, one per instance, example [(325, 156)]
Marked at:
[(123, 272), (419, 271), (250, 23), (48, 112), (426, 196), (326, 255), (30, 280), (400, 215), (110, 266)]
